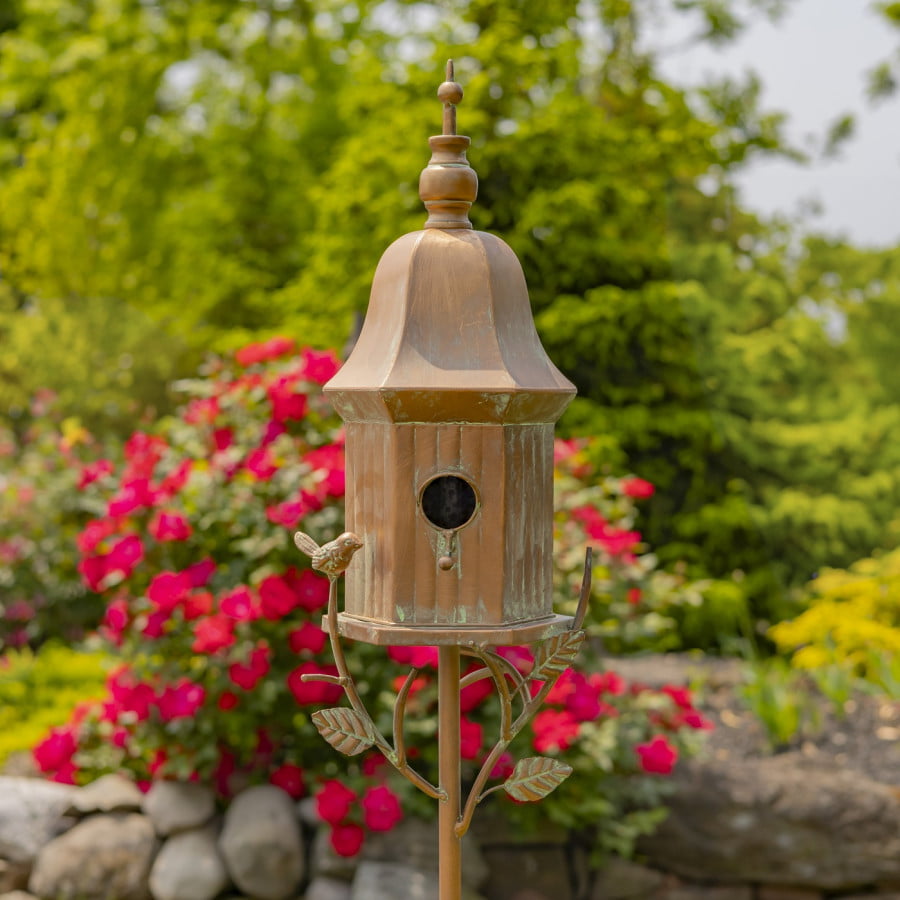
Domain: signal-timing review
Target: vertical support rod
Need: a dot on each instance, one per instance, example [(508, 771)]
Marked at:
[(449, 848)]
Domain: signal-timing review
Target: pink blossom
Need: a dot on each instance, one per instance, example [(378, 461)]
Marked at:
[(115, 620), (381, 808), (657, 757), (287, 403), (307, 637), (417, 657), (197, 604), (55, 750), (168, 589), (265, 351), (200, 572), (290, 512), (125, 555), (503, 767), (181, 700), (471, 737), (202, 411), (94, 472), (314, 692), (227, 700), (175, 481), (240, 604), (92, 570), (290, 779), (134, 494), (554, 731), (170, 526), (319, 366), (247, 675), (94, 532), (277, 598), (607, 683), (261, 464), (212, 634), (310, 588), (333, 802), (637, 488), (223, 438)]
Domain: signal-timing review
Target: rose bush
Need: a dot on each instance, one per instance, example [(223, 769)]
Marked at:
[(216, 618)]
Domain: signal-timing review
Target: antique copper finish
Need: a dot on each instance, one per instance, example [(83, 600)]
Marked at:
[(449, 403)]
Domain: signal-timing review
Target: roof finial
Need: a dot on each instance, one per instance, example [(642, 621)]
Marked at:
[(450, 93)]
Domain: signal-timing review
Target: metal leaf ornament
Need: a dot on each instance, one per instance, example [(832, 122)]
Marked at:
[(345, 729), (555, 655), (534, 777)]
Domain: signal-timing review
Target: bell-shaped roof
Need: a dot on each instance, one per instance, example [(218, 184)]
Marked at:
[(449, 334)]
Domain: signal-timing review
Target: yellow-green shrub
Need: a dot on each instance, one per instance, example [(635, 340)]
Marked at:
[(853, 617), (39, 690)]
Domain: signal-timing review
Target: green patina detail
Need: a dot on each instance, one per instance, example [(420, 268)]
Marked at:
[(401, 615)]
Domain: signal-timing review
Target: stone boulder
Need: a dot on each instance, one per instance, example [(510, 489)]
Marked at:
[(189, 867), (779, 820), (177, 806), (110, 793), (104, 857), (31, 814), (262, 845)]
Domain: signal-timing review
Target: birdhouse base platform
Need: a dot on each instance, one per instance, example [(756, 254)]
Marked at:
[(388, 634)]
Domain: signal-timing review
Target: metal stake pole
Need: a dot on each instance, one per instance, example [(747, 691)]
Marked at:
[(449, 848)]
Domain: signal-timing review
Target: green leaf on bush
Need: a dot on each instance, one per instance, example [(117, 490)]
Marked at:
[(534, 777), (554, 656), (346, 730)]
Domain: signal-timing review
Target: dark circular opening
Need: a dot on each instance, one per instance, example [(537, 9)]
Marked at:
[(448, 501)]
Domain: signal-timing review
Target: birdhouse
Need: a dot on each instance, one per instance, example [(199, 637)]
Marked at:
[(449, 402)]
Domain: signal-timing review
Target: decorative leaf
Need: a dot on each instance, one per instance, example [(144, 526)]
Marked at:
[(345, 729), (555, 655), (534, 777)]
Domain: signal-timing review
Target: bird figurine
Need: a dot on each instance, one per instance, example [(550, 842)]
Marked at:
[(332, 558)]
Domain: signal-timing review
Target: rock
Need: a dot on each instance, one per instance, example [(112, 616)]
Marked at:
[(414, 843), (104, 857), (18, 895), (325, 863), (306, 812), (782, 820), (261, 843), (538, 872), (110, 793), (328, 889), (31, 812), (625, 880), (179, 805), (189, 867), (13, 875), (395, 881)]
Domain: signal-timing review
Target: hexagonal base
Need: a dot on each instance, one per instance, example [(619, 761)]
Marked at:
[(383, 633)]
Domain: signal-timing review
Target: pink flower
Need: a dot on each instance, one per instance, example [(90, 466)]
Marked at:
[(202, 411), (181, 700), (198, 604), (504, 766), (607, 683), (94, 532), (310, 588), (168, 589), (240, 604), (212, 634), (657, 757), (471, 737), (55, 750), (290, 779), (634, 596), (276, 597), (347, 840), (129, 696), (227, 700), (474, 694), (554, 731), (125, 555), (263, 352), (94, 472), (680, 695), (134, 494), (170, 526), (318, 366), (617, 541), (200, 572), (115, 620), (261, 464), (286, 403), (93, 571), (273, 430), (333, 802), (175, 480), (381, 808), (290, 512), (417, 657), (223, 438), (314, 692), (248, 675), (637, 488), (307, 637)]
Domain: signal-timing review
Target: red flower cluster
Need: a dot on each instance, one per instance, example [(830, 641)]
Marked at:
[(336, 806)]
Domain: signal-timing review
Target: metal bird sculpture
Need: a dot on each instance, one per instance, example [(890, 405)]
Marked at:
[(332, 558)]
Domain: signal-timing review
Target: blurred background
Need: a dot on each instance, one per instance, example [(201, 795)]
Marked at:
[(703, 194)]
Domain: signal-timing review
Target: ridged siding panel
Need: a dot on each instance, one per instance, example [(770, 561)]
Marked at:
[(503, 564)]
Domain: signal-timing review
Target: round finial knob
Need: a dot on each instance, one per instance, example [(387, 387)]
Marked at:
[(445, 563), (450, 92)]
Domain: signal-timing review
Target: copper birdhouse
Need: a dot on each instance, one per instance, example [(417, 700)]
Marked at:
[(449, 402)]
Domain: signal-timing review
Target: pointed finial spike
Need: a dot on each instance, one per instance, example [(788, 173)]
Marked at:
[(450, 93)]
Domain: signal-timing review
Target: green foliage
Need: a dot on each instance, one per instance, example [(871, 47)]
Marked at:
[(38, 690)]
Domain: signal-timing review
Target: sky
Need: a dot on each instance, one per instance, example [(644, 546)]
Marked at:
[(812, 64)]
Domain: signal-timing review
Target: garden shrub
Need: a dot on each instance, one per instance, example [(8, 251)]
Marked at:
[(38, 690), (852, 619), (215, 615)]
